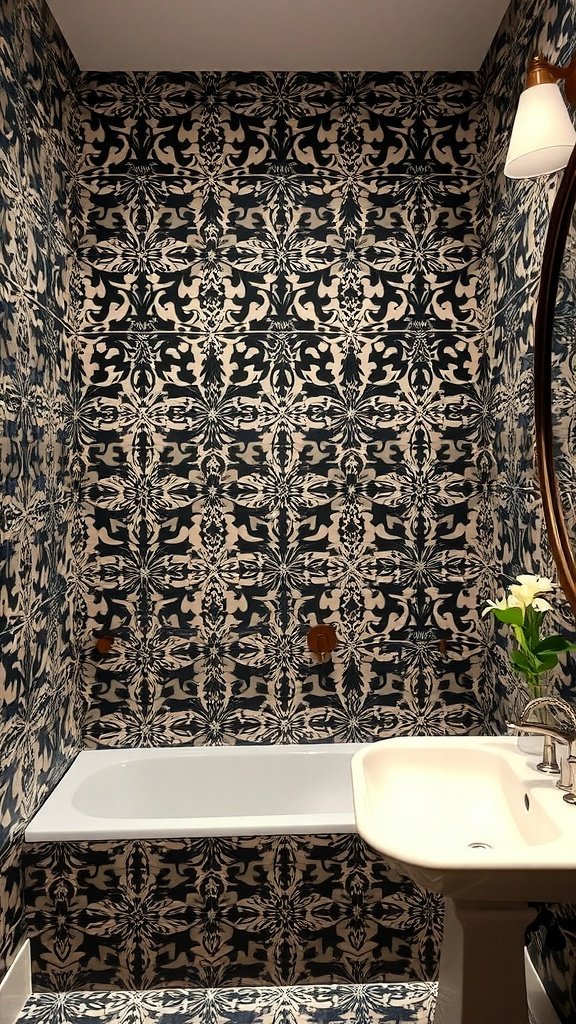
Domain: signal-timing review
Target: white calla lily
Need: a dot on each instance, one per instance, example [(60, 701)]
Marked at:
[(521, 595), (542, 582), (500, 606), (540, 605), (529, 587), (531, 656), (537, 584)]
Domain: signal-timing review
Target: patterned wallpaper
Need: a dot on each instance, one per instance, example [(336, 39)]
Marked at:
[(280, 343), (265, 910), (411, 1003), (376, 1004), (293, 363), (279, 339), (563, 382), (37, 673), (516, 217)]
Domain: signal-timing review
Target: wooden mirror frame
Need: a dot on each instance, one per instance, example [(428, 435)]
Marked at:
[(558, 536)]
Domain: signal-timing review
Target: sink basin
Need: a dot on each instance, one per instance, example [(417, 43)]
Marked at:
[(470, 818), (466, 816)]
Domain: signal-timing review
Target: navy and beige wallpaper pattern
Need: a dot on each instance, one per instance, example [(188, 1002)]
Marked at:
[(277, 336), (279, 341), (517, 215), (38, 629), (278, 910), (266, 361), (411, 1003)]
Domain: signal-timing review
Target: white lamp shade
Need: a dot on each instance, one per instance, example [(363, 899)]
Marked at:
[(543, 136)]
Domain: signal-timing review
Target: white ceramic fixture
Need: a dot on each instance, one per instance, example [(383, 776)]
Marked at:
[(470, 818), (164, 792), (543, 135)]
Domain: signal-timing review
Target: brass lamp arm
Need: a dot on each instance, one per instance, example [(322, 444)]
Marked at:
[(542, 71)]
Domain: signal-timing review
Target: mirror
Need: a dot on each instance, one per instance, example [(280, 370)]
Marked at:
[(555, 382)]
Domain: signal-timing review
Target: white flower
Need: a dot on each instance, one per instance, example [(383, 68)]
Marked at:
[(533, 654), (527, 588), (539, 584), (499, 606)]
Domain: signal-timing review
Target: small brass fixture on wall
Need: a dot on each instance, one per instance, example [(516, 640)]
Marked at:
[(322, 640), (104, 642)]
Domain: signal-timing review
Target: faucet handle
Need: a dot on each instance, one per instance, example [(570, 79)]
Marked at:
[(565, 735), (552, 735), (570, 796), (322, 641)]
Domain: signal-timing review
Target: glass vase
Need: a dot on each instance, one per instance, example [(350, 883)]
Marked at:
[(540, 748)]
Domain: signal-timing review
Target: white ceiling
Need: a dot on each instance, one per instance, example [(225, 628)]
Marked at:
[(279, 35)]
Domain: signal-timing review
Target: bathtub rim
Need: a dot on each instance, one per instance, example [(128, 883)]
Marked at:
[(81, 827)]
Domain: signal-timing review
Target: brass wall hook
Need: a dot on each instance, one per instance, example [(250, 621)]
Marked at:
[(322, 640), (104, 639)]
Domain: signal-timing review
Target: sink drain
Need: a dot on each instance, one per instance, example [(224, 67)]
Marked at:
[(479, 846)]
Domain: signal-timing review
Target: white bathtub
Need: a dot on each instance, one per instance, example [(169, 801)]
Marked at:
[(172, 792)]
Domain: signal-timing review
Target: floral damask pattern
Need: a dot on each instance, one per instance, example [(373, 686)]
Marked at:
[(205, 912), (279, 338), (38, 671), (517, 215), (411, 1003), (287, 379)]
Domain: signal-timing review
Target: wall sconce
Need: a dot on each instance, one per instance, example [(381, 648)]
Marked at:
[(543, 135)]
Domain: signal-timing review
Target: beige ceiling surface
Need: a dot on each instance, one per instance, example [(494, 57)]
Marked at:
[(279, 35)]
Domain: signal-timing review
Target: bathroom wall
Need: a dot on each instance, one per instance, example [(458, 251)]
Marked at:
[(198, 913), (515, 215), (306, 343), (280, 341), (304, 322), (37, 673)]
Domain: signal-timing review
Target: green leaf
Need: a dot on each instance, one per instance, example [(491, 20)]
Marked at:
[(519, 634), (521, 661), (523, 641), (547, 661), (511, 616), (532, 622), (553, 643)]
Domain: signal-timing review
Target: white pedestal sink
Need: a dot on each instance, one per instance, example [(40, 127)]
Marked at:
[(470, 818)]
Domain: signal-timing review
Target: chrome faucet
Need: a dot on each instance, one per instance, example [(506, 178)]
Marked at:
[(564, 732)]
